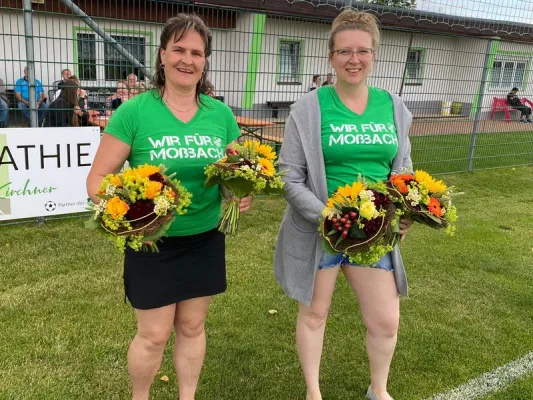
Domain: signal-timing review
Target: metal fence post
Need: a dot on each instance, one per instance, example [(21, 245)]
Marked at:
[(479, 106), (30, 62)]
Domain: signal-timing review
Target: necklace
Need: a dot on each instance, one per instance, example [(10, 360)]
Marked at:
[(177, 109)]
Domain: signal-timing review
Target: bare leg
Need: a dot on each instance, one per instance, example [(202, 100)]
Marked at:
[(380, 308), (146, 350), (310, 328), (189, 350)]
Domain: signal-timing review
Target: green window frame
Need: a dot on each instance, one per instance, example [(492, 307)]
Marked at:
[(289, 63), (414, 71), (508, 72)]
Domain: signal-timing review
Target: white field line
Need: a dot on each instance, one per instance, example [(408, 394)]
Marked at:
[(489, 382)]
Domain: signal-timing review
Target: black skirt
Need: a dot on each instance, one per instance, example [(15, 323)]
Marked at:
[(185, 267)]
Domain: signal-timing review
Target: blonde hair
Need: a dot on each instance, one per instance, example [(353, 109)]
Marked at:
[(351, 20)]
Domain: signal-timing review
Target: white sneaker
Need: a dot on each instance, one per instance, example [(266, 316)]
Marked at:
[(370, 394)]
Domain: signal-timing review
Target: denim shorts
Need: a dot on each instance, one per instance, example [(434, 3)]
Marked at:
[(336, 260)]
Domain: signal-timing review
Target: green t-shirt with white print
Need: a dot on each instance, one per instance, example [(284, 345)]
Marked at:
[(157, 137), (356, 144)]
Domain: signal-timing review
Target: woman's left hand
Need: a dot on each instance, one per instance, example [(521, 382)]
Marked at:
[(405, 225), (245, 203)]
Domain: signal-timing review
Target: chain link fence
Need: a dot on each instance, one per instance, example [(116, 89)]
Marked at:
[(453, 72)]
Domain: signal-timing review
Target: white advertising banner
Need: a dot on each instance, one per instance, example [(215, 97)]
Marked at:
[(43, 170)]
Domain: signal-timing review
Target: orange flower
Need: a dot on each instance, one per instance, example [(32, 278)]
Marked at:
[(146, 170), (116, 207), (434, 207), (399, 183), (153, 189), (115, 180)]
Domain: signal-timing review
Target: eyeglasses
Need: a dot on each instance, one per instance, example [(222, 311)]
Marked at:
[(346, 54)]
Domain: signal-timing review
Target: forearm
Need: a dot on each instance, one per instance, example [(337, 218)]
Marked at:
[(18, 96), (93, 184)]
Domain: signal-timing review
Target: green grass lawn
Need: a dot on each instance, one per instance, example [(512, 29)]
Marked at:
[(522, 389), (450, 153), (65, 328)]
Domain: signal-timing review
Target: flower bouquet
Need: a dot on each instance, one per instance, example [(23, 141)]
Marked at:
[(360, 221), (247, 169), (138, 206), (425, 199)]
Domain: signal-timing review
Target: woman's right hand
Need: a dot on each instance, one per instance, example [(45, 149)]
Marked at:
[(77, 111)]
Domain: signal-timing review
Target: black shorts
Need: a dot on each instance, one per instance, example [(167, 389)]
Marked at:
[(185, 267)]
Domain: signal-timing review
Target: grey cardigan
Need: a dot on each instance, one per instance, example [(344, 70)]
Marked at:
[(299, 247)]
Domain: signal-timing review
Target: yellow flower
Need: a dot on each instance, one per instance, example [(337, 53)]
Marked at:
[(115, 180), (131, 175), (251, 144), (116, 207), (351, 191), (335, 198), (146, 170), (422, 176), (267, 167), (152, 189), (266, 151), (437, 187), (368, 210)]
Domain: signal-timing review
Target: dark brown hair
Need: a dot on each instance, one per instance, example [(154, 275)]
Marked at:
[(351, 20), (175, 29), (69, 92)]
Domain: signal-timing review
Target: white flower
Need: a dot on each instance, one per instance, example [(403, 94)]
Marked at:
[(245, 167), (99, 208), (367, 195), (161, 206), (414, 196), (110, 190)]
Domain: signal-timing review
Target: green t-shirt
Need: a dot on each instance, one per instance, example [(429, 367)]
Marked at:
[(356, 144), (157, 137)]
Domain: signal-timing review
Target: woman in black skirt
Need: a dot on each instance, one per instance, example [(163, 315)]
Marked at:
[(176, 125)]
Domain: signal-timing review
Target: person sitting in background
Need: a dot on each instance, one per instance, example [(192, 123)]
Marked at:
[(22, 93), (4, 107), (514, 101), (65, 110), (329, 80), (316, 82), (82, 94), (142, 87), (65, 75), (121, 96), (132, 81), (4, 113)]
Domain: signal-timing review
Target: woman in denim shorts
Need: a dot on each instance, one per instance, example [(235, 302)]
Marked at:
[(334, 135)]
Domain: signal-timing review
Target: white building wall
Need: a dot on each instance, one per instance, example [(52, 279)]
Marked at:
[(54, 41), (229, 60), (314, 54)]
